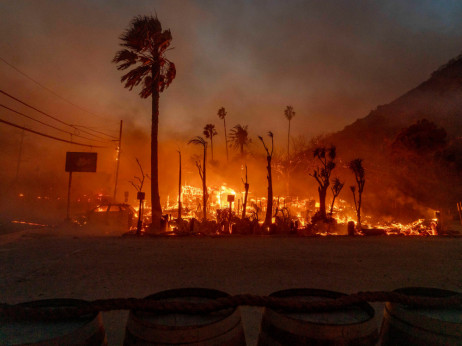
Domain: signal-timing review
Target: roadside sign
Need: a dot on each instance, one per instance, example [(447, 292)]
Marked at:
[(81, 162)]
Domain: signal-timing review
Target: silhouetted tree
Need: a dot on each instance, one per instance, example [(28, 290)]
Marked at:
[(179, 187), (145, 44), (202, 173), (209, 132), (424, 136), (222, 115), (246, 188), (336, 187), (139, 188), (356, 166), (289, 114), (269, 156), (239, 138), (326, 157)]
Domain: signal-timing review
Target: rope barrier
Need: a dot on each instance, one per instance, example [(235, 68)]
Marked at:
[(17, 312)]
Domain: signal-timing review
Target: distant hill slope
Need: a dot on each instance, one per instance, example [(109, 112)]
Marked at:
[(439, 99), (429, 180)]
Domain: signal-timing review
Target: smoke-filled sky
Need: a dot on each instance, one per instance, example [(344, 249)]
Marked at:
[(333, 61)]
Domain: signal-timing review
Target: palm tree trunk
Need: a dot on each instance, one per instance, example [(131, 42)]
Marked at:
[(269, 208), (288, 143), (358, 212), (179, 191), (155, 198), (204, 186), (288, 163), (211, 145), (226, 140)]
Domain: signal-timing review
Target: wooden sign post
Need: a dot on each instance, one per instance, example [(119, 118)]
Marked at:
[(78, 162)]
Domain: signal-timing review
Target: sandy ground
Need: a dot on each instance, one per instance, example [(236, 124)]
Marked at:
[(46, 264)]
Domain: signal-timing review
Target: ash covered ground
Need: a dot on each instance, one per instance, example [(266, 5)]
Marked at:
[(63, 263)]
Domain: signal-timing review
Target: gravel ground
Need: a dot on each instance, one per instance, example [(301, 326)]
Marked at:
[(59, 263)]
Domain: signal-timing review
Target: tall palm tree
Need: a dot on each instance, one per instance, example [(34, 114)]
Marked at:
[(202, 173), (209, 132), (239, 138), (144, 46), (289, 113), (222, 115)]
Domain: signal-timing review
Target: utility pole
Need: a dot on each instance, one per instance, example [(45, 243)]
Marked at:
[(118, 161), (19, 156)]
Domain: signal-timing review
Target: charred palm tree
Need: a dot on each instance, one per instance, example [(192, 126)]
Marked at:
[(144, 45), (326, 157), (289, 114), (239, 138), (202, 173), (209, 132), (179, 187), (222, 115), (356, 166), (336, 187), (269, 155)]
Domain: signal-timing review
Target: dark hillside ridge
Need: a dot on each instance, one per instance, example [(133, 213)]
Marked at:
[(438, 99)]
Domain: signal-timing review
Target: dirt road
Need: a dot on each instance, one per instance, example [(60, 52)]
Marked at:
[(42, 264)]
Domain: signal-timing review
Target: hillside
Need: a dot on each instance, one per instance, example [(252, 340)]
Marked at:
[(427, 178)]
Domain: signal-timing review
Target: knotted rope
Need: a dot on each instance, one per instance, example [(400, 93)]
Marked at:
[(10, 312)]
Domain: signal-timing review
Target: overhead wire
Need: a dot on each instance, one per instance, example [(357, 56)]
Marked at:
[(53, 117), (47, 89), (49, 136), (51, 126)]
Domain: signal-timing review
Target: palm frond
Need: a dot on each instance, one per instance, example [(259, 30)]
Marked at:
[(222, 113), (135, 76), (289, 112), (198, 140), (125, 58)]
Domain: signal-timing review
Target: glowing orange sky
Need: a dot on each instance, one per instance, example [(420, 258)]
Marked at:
[(333, 61)]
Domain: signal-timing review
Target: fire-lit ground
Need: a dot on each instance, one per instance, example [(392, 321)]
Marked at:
[(44, 263)]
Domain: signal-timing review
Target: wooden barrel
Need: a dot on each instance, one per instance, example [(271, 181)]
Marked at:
[(353, 325), (403, 325), (86, 330), (223, 327)]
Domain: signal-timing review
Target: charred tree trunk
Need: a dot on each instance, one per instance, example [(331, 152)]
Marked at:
[(269, 209), (322, 201), (332, 206), (155, 198), (204, 185), (246, 187), (179, 190)]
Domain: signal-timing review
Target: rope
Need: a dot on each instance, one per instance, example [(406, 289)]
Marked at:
[(17, 312)]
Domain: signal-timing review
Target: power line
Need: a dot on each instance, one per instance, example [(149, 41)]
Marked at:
[(51, 126), (48, 136), (47, 89), (51, 116), (90, 129)]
